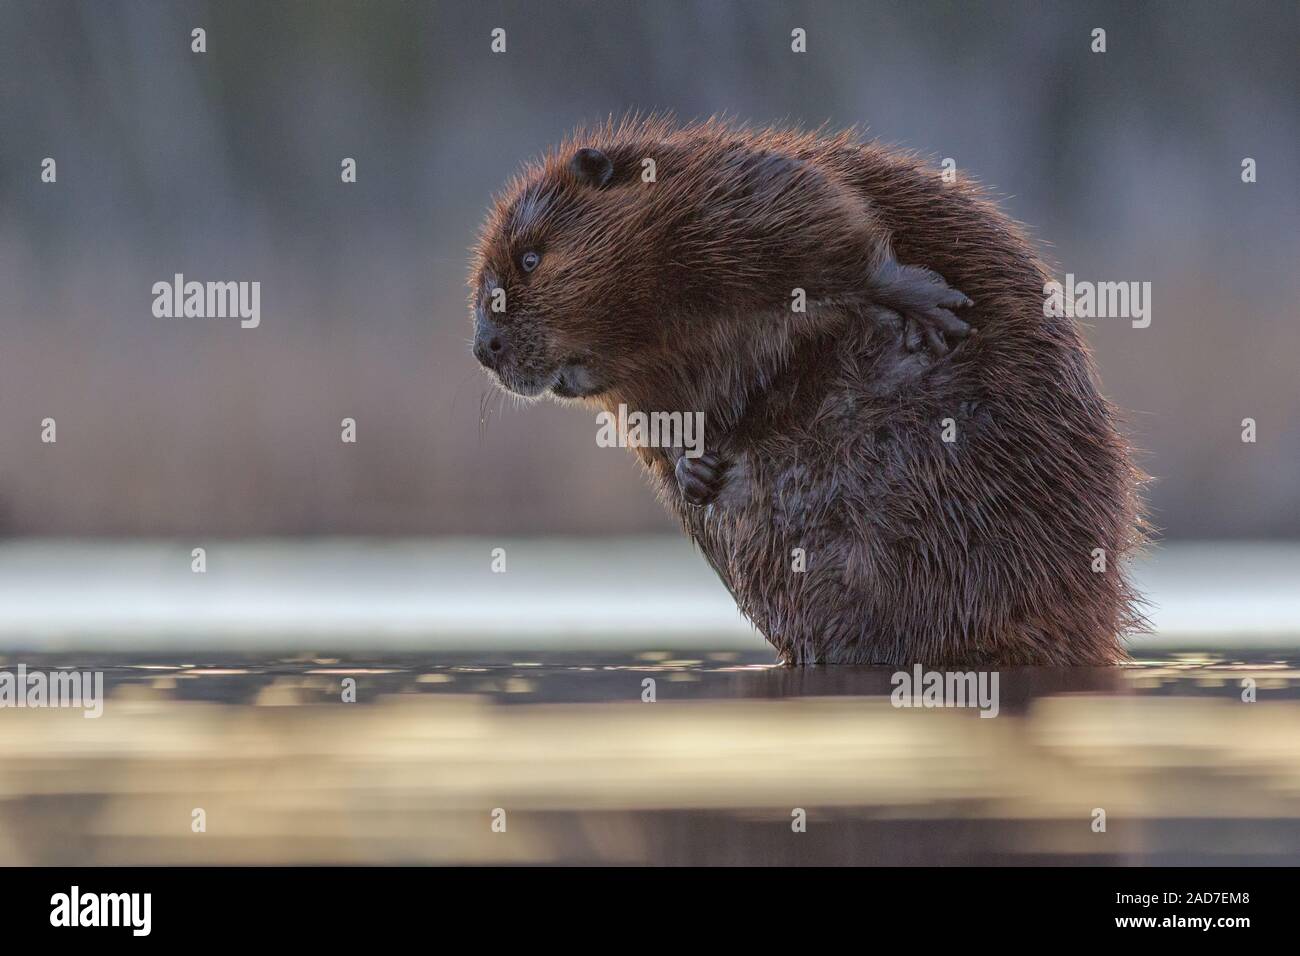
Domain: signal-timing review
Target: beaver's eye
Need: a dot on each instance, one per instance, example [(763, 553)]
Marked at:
[(529, 260)]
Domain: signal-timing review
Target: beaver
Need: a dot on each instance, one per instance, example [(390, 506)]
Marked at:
[(915, 466)]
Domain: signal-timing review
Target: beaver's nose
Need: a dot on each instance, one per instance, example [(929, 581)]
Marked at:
[(490, 346)]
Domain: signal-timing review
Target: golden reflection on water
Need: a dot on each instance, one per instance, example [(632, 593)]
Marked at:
[(286, 772)]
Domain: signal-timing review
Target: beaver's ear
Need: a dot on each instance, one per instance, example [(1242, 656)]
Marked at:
[(592, 167)]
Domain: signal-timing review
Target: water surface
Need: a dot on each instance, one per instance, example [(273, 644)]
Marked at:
[(710, 772)]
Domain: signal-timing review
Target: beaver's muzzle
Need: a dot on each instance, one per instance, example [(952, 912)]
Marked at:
[(491, 347)]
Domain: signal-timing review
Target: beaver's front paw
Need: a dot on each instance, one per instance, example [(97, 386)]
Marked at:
[(700, 479), (925, 301)]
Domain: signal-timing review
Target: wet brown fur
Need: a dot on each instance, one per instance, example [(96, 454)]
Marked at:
[(676, 294)]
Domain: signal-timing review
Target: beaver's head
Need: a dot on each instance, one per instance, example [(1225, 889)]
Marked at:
[(567, 276)]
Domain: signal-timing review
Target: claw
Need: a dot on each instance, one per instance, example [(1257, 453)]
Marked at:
[(937, 345), (950, 324), (913, 338)]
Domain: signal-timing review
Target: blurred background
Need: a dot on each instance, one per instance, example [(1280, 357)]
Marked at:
[(226, 165), (372, 560)]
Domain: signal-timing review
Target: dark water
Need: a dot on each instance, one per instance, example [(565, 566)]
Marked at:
[(714, 770)]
